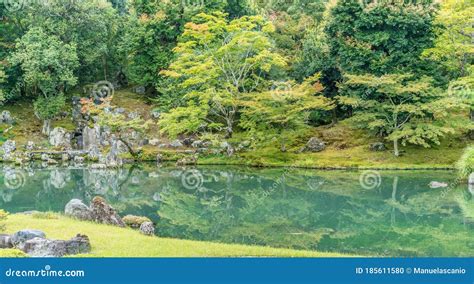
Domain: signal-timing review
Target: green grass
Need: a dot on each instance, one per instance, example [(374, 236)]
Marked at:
[(110, 241)]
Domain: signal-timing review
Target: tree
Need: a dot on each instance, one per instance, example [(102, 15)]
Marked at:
[(453, 46), (217, 63), (92, 26), (401, 108), (48, 67), (380, 38), (152, 32), (282, 113), (454, 50)]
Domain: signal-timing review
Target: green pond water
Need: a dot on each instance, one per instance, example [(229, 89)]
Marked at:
[(385, 213)]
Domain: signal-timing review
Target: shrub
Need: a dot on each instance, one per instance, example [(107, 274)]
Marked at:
[(135, 221)]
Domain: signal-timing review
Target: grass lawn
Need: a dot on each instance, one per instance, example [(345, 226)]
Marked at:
[(110, 241)]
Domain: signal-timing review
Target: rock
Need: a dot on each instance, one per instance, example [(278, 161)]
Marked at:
[(437, 184), (112, 159), (9, 147), (188, 141), (78, 159), (245, 144), (98, 166), (6, 117), (206, 144), (230, 151), (40, 247), (186, 161), (59, 137), (65, 157), (91, 137), (140, 90), (176, 144), (154, 142), (51, 162), (159, 158), (94, 153), (143, 142), (197, 144), (5, 241), (224, 145), (147, 228), (77, 209), (315, 145), (135, 221), (30, 146), (377, 147), (119, 110), (133, 115), (163, 145), (22, 236), (104, 213), (155, 114), (44, 157)]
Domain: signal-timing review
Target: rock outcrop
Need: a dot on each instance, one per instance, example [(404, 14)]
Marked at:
[(59, 137), (41, 247)]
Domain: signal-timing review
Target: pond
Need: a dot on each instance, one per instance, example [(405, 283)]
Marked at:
[(385, 213)]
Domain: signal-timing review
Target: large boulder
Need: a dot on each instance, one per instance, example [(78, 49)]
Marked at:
[(22, 236), (40, 247), (147, 228), (59, 137), (104, 213), (90, 137), (5, 241), (77, 209), (315, 144)]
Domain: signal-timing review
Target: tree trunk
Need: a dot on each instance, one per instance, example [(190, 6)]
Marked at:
[(334, 116), (229, 130), (130, 149), (46, 127), (395, 148)]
